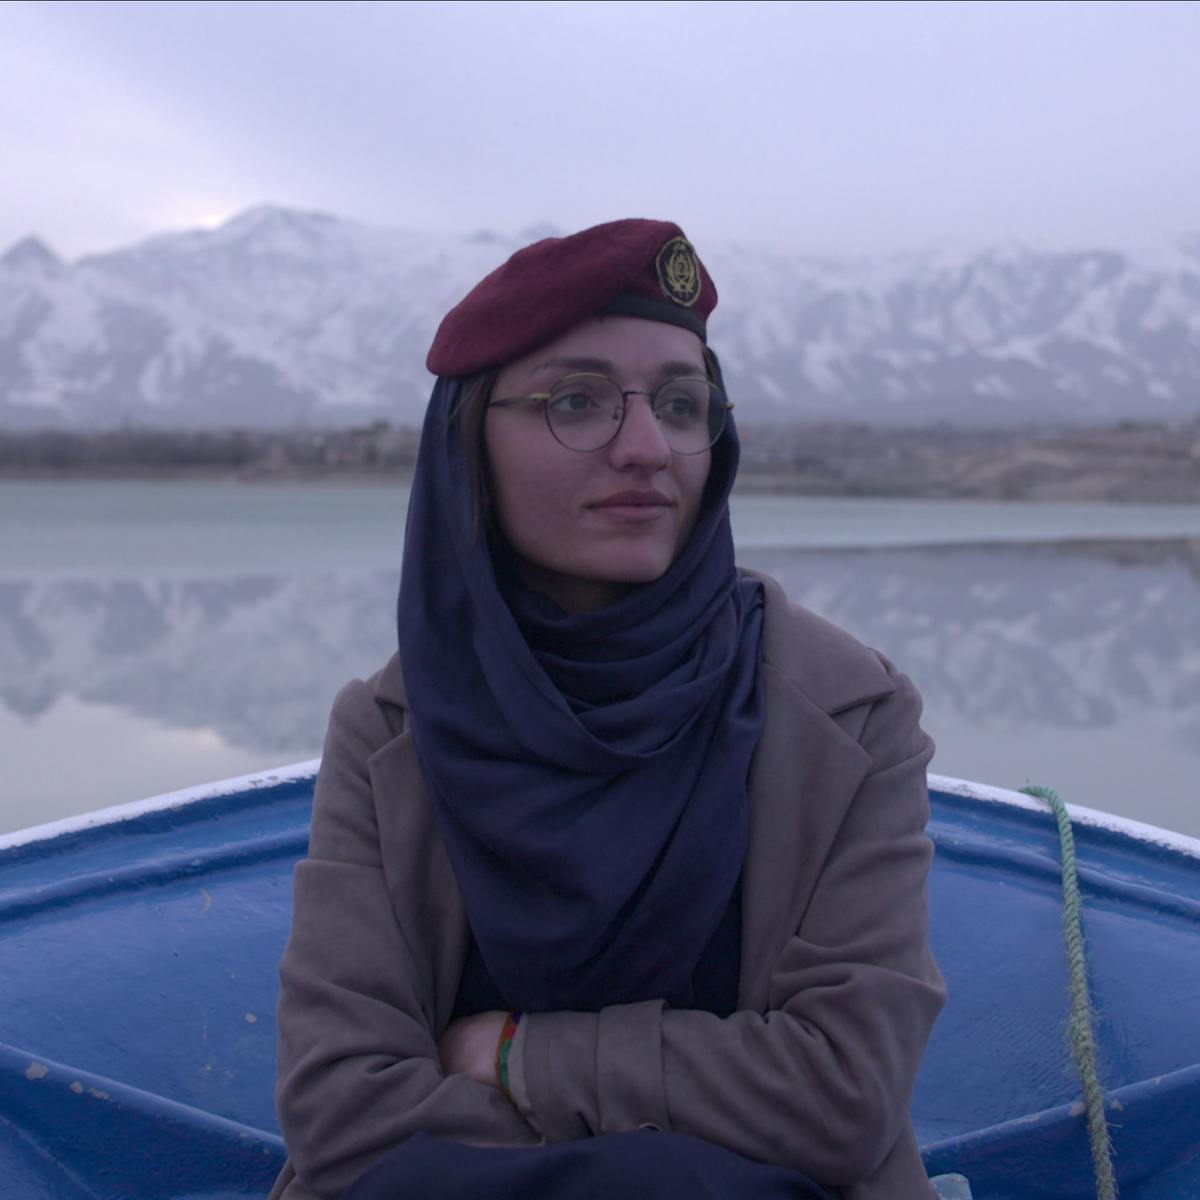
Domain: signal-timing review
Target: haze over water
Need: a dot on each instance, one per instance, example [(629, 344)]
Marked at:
[(155, 636)]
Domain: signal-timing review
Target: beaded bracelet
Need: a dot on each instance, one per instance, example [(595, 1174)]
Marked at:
[(503, 1047)]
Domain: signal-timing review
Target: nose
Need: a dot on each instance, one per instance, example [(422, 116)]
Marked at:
[(640, 441)]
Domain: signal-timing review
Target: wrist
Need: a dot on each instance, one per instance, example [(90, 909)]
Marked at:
[(503, 1047)]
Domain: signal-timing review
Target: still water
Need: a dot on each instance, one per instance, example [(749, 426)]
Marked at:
[(153, 635)]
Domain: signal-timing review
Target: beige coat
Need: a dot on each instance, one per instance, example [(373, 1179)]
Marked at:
[(837, 989)]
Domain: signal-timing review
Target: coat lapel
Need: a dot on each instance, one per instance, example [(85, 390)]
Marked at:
[(803, 776), (420, 880)]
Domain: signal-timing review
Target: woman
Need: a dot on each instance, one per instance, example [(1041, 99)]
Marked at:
[(616, 882)]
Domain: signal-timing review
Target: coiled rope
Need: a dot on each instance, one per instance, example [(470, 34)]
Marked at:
[(1083, 1042)]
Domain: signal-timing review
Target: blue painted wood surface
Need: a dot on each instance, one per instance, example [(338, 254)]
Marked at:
[(138, 993)]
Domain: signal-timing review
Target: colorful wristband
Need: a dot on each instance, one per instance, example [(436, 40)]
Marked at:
[(503, 1047)]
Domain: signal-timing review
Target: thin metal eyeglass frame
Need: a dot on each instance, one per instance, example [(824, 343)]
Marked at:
[(544, 397)]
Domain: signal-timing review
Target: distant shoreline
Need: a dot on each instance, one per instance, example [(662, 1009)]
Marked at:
[(135, 473), (1132, 462)]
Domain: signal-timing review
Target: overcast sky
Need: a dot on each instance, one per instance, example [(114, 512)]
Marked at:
[(840, 127)]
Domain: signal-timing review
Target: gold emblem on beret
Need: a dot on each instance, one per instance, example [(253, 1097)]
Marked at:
[(679, 271)]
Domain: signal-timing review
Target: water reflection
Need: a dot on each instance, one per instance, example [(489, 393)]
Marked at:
[(1009, 637), (81, 755), (1010, 646), (256, 658), (1075, 667)]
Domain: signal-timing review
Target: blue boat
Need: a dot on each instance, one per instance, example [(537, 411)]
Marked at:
[(137, 998)]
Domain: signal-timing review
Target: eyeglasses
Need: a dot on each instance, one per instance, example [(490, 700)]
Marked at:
[(586, 412)]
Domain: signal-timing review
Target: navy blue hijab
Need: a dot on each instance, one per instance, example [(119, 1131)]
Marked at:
[(588, 771)]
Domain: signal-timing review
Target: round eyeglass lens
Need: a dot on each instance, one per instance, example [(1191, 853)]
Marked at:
[(691, 413), (584, 413)]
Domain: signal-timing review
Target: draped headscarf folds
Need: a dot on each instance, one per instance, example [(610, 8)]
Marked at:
[(589, 770)]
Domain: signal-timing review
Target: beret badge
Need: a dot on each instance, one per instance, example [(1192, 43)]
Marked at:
[(679, 271)]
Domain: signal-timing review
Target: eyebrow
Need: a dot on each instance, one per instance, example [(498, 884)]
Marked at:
[(604, 366)]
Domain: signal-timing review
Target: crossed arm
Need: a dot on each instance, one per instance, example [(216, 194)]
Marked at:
[(818, 1081)]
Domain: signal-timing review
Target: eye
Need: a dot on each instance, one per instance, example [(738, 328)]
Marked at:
[(681, 403), (580, 397), (570, 400)]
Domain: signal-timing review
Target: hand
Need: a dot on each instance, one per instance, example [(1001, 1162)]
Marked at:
[(468, 1046)]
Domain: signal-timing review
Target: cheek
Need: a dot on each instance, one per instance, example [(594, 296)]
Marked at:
[(505, 475), (693, 475), (526, 490)]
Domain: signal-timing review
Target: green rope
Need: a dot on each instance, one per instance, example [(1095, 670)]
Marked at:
[(1083, 1043)]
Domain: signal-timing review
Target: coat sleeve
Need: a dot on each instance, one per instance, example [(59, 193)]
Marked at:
[(821, 1081), (358, 1063)]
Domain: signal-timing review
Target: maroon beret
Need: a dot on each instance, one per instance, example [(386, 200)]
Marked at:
[(634, 268)]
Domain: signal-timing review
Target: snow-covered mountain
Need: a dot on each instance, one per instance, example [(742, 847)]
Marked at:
[(280, 317)]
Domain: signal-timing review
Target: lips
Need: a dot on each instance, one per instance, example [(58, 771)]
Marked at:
[(634, 499)]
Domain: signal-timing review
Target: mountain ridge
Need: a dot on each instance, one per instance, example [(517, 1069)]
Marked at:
[(281, 317)]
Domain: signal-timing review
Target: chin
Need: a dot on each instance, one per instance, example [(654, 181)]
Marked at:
[(640, 568)]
